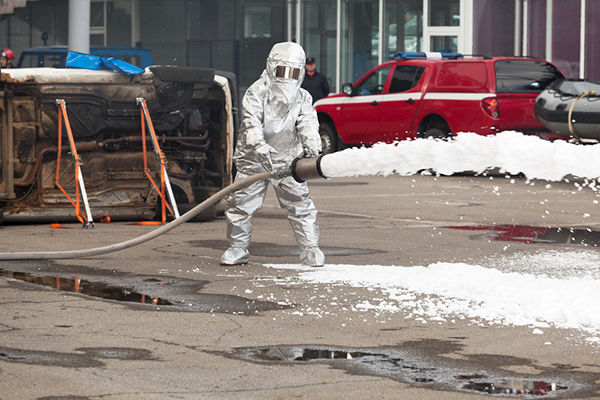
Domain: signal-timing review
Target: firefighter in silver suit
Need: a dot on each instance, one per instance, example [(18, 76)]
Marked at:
[(279, 124)]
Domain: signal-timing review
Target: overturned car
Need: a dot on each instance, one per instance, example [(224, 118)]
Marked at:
[(191, 110)]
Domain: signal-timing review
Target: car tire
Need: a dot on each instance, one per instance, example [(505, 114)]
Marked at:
[(329, 138)]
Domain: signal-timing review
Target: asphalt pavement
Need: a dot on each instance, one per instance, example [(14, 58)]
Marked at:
[(164, 320)]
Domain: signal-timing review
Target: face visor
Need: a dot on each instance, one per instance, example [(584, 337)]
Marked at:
[(287, 72)]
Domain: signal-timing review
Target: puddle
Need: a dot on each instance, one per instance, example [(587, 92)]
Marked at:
[(531, 234), (82, 286), (515, 386), (86, 357), (140, 292), (414, 366)]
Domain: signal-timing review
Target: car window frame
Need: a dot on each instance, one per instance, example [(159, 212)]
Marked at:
[(358, 85), (535, 86), (414, 85)]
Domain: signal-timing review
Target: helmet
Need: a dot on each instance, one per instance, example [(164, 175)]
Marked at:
[(8, 53)]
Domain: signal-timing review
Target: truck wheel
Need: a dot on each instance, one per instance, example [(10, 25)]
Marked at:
[(328, 138), (435, 133), (435, 128)]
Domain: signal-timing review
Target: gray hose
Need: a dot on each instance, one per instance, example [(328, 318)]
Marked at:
[(56, 255)]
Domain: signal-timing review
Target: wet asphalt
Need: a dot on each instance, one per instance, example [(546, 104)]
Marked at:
[(164, 320)]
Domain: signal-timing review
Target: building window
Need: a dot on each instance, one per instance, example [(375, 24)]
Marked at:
[(257, 22), (110, 23), (444, 43), (444, 12)]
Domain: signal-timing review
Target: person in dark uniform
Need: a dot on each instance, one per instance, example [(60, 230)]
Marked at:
[(315, 82)]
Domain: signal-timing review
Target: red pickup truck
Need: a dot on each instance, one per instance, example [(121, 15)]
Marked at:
[(436, 95)]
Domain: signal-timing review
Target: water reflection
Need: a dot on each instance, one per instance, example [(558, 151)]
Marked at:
[(537, 388), (82, 286), (406, 369), (533, 234)]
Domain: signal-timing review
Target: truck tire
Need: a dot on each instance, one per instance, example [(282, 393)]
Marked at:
[(435, 127)]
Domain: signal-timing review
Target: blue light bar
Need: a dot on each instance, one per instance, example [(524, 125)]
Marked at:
[(436, 55)]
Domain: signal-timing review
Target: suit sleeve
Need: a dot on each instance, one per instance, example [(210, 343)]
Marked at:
[(307, 125), (251, 127)]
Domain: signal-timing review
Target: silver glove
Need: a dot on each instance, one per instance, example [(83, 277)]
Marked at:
[(308, 152), (263, 154)]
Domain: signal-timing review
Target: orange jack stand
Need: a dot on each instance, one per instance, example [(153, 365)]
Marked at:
[(162, 159), (86, 220)]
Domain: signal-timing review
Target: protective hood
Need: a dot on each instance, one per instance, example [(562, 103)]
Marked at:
[(285, 73)]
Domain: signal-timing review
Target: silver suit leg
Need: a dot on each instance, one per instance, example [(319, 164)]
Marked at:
[(241, 206), (302, 214)]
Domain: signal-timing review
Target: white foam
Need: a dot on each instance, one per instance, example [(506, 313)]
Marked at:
[(510, 151), (442, 291)]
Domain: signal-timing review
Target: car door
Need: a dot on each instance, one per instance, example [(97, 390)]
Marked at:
[(361, 112), (400, 103)]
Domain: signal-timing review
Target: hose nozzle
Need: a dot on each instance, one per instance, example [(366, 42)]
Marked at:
[(302, 169)]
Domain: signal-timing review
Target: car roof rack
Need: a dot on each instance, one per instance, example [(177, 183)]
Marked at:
[(484, 56), (435, 55)]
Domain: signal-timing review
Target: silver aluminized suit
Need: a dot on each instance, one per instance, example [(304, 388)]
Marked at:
[(279, 124)]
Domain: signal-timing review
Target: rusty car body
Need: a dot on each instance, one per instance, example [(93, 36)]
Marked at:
[(192, 110)]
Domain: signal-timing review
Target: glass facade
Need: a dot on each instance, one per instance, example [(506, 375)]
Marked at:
[(346, 37), (319, 30), (401, 28)]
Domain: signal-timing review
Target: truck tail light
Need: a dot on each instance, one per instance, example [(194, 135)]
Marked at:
[(490, 105)]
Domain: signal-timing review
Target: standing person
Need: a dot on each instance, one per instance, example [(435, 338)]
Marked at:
[(279, 124), (6, 58), (315, 82)]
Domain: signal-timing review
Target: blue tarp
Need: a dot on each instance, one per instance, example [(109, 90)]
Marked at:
[(88, 61)]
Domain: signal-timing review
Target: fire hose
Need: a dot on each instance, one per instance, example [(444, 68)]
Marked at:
[(302, 169)]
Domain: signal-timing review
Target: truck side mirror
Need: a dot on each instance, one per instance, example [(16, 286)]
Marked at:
[(347, 88)]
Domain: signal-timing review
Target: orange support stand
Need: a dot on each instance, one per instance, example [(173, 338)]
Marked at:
[(165, 184), (86, 220)]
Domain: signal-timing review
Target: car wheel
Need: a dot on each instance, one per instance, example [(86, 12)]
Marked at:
[(328, 138)]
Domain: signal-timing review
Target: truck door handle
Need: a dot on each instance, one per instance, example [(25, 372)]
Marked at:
[(375, 103), (410, 101)]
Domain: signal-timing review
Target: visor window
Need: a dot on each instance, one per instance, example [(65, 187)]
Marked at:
[(287, 72)]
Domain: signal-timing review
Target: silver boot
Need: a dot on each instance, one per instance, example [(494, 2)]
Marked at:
[(235, 256), (312, 256)]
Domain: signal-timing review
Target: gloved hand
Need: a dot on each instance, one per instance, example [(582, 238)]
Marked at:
[(263, 154), (308, 152)]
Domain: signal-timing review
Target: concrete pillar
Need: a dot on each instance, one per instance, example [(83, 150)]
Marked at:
[(79, 25)]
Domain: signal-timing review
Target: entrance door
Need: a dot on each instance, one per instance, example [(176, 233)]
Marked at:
[(446, 25)]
